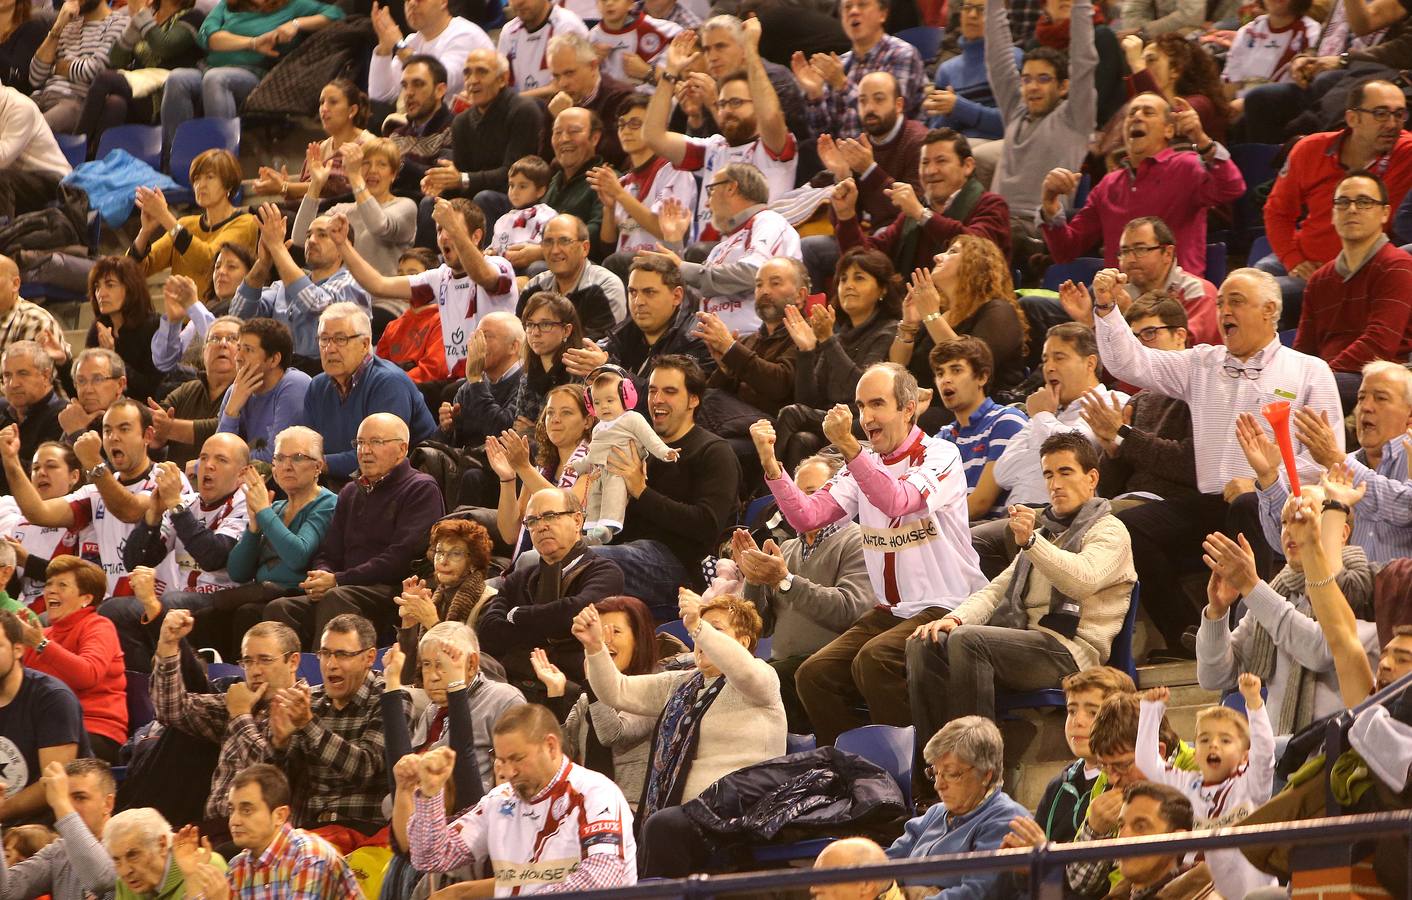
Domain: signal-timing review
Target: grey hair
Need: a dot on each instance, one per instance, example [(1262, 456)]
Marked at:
[(729, 23), (749, 180), (344, 309), (297, 431), (1268, 287), (581, 46), (571, 502), (510, 321), (37, 355), (831, 461), (801, 271), (148, 825), (1399, 372), (904, 383), (116, 367), (975, 740), (457, 637)]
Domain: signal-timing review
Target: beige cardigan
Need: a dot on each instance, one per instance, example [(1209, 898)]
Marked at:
[(744, 725), (1100, 576)]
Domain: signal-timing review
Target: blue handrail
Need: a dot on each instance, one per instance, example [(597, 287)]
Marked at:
[(1038, 861)]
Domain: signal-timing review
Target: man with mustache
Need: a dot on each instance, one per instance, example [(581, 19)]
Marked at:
[(75, 50), (759, 367)]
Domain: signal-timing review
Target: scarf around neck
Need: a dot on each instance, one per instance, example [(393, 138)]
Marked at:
[(674, 743), (1063, 615)]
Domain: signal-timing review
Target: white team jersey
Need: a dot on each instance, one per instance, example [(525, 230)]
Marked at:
[(227, 518), (112, 534), (1260, 54), (924, 560), (533, 845), (714, 152), (520, 226), (528, 51), (653, 184), (584, 9), (767, 235), (462, 302), (43, 543), (644, 36)]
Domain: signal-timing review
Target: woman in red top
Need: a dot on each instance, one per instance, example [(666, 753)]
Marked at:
[(81, 649)]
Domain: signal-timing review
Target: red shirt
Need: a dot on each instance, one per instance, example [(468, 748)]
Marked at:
[(1351, 323), (84, 653), (415, 337), (1305, 188)]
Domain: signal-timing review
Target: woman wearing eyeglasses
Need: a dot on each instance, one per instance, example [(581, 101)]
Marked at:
[(459, 550), (194, 406)]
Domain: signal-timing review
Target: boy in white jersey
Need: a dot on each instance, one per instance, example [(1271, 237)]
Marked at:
[(552, 826), (1235, 771), (525, 222), (524, 41), (633, 41), (467, 286), (908, 493)]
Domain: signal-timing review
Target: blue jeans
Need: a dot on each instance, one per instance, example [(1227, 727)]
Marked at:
[(651, 573), (139, 640), (1291, 290), (217, 92)]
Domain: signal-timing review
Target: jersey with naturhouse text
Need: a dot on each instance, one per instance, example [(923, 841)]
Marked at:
[(462, 303), (923, 560)]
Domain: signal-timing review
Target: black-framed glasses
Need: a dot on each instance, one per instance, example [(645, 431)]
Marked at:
[(541, 327), (326, 655), (545, 518), (222, 338), (1383, 114), (1251, 373), (1137, 251), (630, 124), (338, 340), (711, 188), (262, 661), (732, 103), (1362, 203), (1146, 335), (977, 8)]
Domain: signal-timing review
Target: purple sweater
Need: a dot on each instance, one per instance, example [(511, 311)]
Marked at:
[(376, 534)]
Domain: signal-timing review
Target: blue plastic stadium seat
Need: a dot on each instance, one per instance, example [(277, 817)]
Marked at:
[(75, 147), (799, 743), (194, 137), (677, 629), (309, 669), (1257, 166), (223, 670), (139, 700), (1216, 263), (887, 746), (1080, 270), (926, 38), (762, 648), (1259, 249), (142, 141)]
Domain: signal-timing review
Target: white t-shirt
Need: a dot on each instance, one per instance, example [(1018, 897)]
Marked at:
[(645, 36), (652, 185), (534, 844), (1259, 53), (925, 560), (44, 543), (112, 534), (228, 518), (584, 9), (1019, 471), (767, 235), (462, 302), (451, 48), (714, 152), (520, 226), (528, 51)]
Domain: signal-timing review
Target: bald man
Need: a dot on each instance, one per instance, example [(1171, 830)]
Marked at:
[(200, 528), (21, 320), (849, 852), (379, 527)]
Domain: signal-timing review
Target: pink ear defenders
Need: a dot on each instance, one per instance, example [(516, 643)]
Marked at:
[(627, 391)]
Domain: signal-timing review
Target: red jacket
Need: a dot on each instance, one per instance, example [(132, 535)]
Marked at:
[(1351, 323), (84, 653), (415, 337), (1305, 188)]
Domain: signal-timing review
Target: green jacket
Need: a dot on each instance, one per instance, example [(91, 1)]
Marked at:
[(173, 886)]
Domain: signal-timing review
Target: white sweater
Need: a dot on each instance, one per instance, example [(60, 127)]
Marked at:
[(744, 725), (26, 143)]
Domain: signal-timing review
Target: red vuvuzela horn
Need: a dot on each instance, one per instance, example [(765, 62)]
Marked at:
[(1277, 414)]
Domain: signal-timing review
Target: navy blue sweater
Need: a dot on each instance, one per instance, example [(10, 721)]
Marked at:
[(380, 388)]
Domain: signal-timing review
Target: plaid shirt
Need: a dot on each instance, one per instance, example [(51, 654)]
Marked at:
[(296, 865), (1024, 16), (836, 112), (26, 322), (336, 760), (244, 740)]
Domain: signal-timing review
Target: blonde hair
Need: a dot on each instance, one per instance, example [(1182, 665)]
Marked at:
[(385, 149), (744, 618), (1227, 715)]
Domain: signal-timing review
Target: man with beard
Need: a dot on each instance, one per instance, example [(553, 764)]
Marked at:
[(594, 291), (758, 367), (832, 83), (426, 134), (75, 50), (1299, 215), (438, 35), (112, 498), (298, 297), (592, 848), (723, 44), (750, 234), (752, 128), (1154, 180)]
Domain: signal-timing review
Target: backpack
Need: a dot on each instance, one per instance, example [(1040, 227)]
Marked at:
[(445, 463)]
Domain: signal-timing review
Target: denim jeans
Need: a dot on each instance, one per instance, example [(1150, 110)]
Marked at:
[(139, 640), (650, 573), (217, 93)]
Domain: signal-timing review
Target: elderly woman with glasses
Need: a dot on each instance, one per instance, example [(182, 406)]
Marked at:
[(459, 551), (965, 761)]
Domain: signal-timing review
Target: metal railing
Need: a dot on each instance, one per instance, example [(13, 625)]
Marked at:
[(1042, 863)]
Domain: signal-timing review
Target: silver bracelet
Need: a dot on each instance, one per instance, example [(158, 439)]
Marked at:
[(1318, 584)]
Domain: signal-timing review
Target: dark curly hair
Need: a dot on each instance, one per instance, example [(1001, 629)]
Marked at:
[(1197, 72)]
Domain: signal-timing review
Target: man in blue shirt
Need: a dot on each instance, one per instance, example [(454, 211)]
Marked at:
[(983, 428)]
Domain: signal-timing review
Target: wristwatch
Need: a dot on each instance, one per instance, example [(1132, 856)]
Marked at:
[(1125, 431), (786, 582), (40, 647), (97, 471), (1338, 505), (1034, 536)]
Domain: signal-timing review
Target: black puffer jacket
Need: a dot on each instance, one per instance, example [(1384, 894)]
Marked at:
[(818, 793)]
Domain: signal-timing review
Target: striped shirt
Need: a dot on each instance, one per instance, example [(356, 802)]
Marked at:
[(982, 440), (836, 112), (297, 865), (1383, 525), (1218, 388), (86, 46)]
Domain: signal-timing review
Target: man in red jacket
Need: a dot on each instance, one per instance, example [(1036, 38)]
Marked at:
[(1357, 307)]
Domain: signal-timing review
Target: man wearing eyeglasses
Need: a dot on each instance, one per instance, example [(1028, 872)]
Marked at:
[(100, 378), (537, 604), (1148, 256), (238, 720), (596, 293), (189, 414), (379, 527), (1218, 384), (1299, 216), (30, 402), (1357, 308)]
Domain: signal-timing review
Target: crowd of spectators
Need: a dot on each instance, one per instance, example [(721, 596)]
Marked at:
[(893, 383)]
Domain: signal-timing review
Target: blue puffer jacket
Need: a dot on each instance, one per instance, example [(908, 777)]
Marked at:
[(112, 183)]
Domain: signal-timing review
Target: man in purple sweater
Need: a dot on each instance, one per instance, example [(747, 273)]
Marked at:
[(379, 526)]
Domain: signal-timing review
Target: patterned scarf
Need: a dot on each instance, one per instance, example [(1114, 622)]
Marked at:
[(674, 744), (1297, 707), (1063, 615)]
